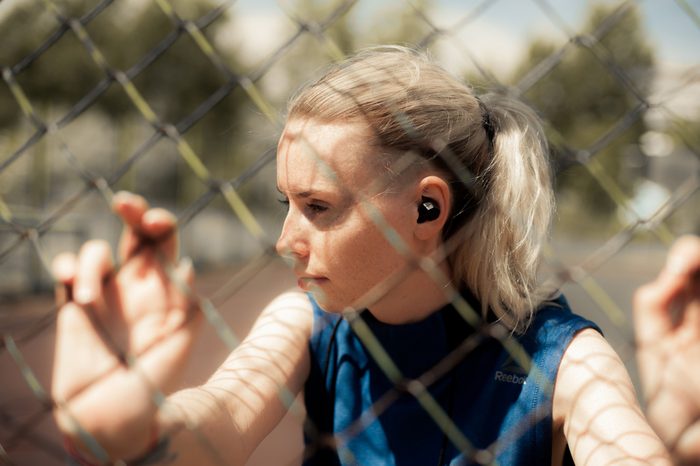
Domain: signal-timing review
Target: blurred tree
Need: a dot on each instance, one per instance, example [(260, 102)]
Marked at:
[(406, 25), (328, 36), (348, 29), (687, 134), (594, 87), (173, 84)]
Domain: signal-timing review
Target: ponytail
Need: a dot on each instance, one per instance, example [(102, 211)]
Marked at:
[(499, 250)]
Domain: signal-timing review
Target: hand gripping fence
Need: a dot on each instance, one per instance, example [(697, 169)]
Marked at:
[(27, 234)]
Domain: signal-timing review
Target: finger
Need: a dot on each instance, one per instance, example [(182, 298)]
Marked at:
[(183, 296), (184, 273), (63, 269), (160, 225), (682, 272), (131, 208), (684, 257), (653, 306), (651, 318), (654, 303), (178, 330), (94, 264)]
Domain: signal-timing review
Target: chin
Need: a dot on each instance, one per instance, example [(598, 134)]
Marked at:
[(330, 304)]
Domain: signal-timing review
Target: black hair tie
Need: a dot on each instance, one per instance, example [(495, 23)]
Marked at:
[(486, 122)]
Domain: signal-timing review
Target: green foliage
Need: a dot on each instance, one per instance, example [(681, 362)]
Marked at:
[(589, 91), (405, 26), (173, 83), (687, 133), (592, 89), (350, 30), (124, 33), (66, 72)]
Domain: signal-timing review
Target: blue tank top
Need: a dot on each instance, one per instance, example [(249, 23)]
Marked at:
[(357, 416)]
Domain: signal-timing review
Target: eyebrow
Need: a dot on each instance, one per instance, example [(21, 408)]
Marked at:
[(302, 194)]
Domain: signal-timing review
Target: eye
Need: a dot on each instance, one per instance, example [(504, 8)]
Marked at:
[(284, 201), (316, 208)]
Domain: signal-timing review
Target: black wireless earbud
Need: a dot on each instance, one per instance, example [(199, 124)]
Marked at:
[(428, 210)]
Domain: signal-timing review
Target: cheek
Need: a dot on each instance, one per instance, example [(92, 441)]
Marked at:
[(368, 255), (358, 257)]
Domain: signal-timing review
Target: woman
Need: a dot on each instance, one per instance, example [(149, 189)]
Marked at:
[(407, 197)]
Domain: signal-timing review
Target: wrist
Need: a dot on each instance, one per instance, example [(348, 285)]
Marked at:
[(82, 455)]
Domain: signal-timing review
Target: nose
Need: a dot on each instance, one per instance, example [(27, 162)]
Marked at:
[(293, 242)]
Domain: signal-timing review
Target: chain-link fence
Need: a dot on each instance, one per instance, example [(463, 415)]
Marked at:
[(183, 103)]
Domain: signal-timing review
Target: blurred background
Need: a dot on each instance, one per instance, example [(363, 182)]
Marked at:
[(182, 102)]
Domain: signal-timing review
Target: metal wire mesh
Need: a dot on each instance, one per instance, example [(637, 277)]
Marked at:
[(34, 227)]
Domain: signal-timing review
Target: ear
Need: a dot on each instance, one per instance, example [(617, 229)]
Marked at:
[(436, 189)]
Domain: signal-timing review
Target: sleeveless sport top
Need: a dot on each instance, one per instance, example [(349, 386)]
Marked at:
[(356, 416)]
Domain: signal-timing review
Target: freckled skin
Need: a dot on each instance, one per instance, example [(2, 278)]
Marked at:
[(331, 177)]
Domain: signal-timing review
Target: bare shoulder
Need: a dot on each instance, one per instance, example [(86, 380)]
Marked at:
[(590, 356), (284, 324), (283, 327), (595, 407), (292, 301)]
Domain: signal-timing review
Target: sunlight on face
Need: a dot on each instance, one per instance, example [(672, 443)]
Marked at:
[(331, 176)]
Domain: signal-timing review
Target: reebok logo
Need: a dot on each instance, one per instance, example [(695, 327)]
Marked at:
[(511, 372), (510, 378)]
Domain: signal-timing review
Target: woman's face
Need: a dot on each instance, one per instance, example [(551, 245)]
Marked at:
[(336, 188)]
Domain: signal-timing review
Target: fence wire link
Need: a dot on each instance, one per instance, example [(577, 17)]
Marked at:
[(22, 229)]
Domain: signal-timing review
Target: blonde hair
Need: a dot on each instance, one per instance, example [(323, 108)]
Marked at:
[(492, 149)]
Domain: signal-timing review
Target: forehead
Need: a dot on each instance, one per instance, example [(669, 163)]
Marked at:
[(314, 155)]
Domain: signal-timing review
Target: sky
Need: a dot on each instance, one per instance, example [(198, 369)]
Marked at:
[(673, 32), (500, 35)]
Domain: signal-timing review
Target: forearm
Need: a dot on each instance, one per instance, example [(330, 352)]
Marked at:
[(200, 429)]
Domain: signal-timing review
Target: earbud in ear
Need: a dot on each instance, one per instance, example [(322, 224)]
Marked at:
[(428, 210)]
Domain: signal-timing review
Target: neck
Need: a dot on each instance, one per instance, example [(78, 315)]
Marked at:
[(414, 298)]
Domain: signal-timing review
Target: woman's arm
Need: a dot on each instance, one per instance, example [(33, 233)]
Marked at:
[(146, 309), (595, 409)]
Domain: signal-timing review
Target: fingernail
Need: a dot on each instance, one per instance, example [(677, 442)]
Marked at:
[(120, 196), (186, 263), (150, 217), (83, 295), (676, 264)]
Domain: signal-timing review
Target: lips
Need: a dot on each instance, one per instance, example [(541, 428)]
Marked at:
[(307, 283)]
